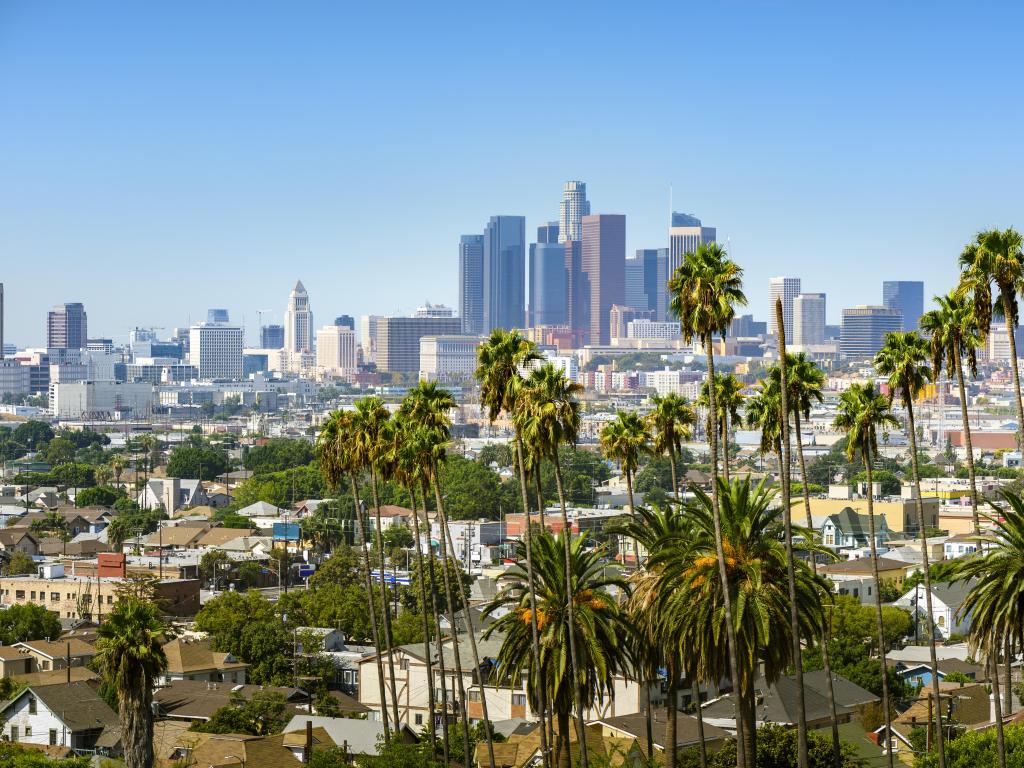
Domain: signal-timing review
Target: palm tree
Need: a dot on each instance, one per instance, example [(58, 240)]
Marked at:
[(862, 410), (131, 655), (954, 336), (626, 440), (996, 258), (690, 596), (904, 359), (429, 407), (499, 360), (53, 524), (728, 399), (994, 600), (335, 448), (579, 612), (706, 289), (370, 421), (672, 421), (547, 414), (118, 464)]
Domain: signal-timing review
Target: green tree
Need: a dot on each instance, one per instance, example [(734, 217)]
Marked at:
[(672, 422), (19, 563), (263, 714), (626, 440), (28, 622), (247, 626), (100, 496), (60, 450), (130, 653), (472, 490), (34, 435), (197, 462), (728, 399), (277, 455)]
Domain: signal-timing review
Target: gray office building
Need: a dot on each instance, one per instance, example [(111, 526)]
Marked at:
[(345, 321), (272, 337), (67, 327), (471, 283), (603, 263), (504, 272), (217, 316), (549, 283), (864, 328), (908, 297), (548, 233), (647, 281), (398, 340)]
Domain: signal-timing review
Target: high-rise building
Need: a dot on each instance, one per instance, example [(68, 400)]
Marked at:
[(2, 347), (298, 321), (471, 283), (398, 340), (433, 310), (620, 318), (747, 326), (504, 273), (215, 349), (578, 307), (368, 336), (549, 281), (809, 319), (603, 264), (864, 328), (217, 316), (787, 289), (346, 321), (685, 234), (908, 297), (448, 359), (67, 327), (336, 350), (272, 337), (573, 208), (647, 280)]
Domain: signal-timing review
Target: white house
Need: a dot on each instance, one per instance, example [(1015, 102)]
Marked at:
[(171, 493), (946, 602), (65, 714)]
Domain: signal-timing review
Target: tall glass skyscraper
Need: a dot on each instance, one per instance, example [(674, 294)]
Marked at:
[(684, 235), (647, 280), (908, 297), (572, 210), (549, 284), (504, 283), (471, 283), (603, 263), (67, 326)]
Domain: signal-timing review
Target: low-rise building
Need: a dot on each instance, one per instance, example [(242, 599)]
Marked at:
[(196, 660), (68, 714)]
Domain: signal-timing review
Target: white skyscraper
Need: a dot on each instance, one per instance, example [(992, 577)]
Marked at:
[(786, 288), (572, 210), (685, 234), (336, 350), (298, 321), (808, 319), (215, 349)]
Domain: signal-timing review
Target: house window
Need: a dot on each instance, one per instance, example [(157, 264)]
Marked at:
[(403, 665), (32, 700), (941, 621), (28, 731), (55, 597), (19, 594), (518, 699), (419, 719), (53, 737), (14, 733), (474, 695), (33, 594)]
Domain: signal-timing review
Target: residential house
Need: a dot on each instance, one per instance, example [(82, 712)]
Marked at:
[(215, 538), (195, 660), (919, 674), (215, 749), (848, 529), (198, 700), (634, 727), (959, 546), (946, 601), (71, 715), (171, 493), (175, 537), (18, 539), (859, 570), (966, 703), (360, 737), (47, 655)]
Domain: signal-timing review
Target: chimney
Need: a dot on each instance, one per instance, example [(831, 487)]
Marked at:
[(308, 754)]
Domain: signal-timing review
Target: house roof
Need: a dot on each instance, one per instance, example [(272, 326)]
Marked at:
[(855, 524), (77, 705), (635, 725), (361, 736), (198, 700), (11, 537), (252, 751), (216, 537), (846, 693), (186, 656), (175, 536), (260, 509), (58, 649), (56, 676), (862, 566)]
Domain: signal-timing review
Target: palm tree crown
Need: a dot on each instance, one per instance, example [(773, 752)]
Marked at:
[(904, 359), (626, 440), (706, 289)]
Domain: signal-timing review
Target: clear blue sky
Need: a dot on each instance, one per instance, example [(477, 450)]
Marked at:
[(160, 158)]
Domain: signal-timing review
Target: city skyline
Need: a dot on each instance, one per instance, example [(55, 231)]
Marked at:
[(795, 165)]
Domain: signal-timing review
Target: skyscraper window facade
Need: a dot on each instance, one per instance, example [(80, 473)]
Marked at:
[(864, 328), (549, 285), (603, 264), (685, 235), (67, 327), (908, 297), (298, 321), (471, 283), (573, 208), (809, 319), (272, 337), (787, 289), (504, 282)]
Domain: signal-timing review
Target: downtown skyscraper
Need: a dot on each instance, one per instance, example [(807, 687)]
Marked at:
[(603, 265), (573, 208), (471, 283), (908, 297), (685, 234), (787, 289), (504, 273), (298, 321), (549, 279), (67, 327)]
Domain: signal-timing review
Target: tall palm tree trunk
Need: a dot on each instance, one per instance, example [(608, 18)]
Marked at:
[(725, 444), (422, 586), (675, 480), (967, 444), (671, 706), (534, 632), (1008, 315), (439, 644), (375, 634), (385, 607), (837, 754), (919, 503), (743, 740), (993, 657), (581, 722), (470, 633), (878, 606), (787, 517), (540, 497), (1008, 688), (136, 721), (456, 652), (564, 756)]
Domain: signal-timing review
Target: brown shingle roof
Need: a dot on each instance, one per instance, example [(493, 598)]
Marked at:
[(59, 648), (56, 676), (186, 656), (77, 705), (216, 537), (175, 536), (198, 700)]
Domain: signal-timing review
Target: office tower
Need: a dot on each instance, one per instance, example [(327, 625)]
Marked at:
[(809, 319), (573, 208), (433, 310), (298, 321), (787, 289), (650, 329), (747, 326), (998, 347), (647, 280), (336, 350), (684, 236), (908, 297), (549, 282), (603, 263), (398, 340), (215, 349), (368, 337), (345, 321), (2, 348), (548, 233), (578, 307), (864, 328), (471, 283), (504, 273), (67, 327), (272, 337), (217, 316), (448, 359), (620, 317)]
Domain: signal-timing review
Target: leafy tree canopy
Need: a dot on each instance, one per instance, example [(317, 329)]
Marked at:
[(278, 454), (197, 462), (264, 714), (99, 496), (27, 622)]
